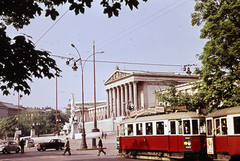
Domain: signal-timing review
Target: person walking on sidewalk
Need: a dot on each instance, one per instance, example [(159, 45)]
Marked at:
[(22, 143), (67, 147), (100, 145)]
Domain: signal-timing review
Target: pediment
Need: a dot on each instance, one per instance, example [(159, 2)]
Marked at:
[(116, 76)]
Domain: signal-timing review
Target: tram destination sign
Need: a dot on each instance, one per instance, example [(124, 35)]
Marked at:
[(147, 111)]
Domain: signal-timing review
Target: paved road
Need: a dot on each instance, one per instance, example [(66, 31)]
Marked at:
[(87, 155), (56, 155)]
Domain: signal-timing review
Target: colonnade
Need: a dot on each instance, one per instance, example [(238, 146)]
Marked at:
[(100, 113), (119, 97)]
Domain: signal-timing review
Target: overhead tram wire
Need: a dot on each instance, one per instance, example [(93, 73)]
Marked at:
[(141, 25), (138, 23), (118, 62), (122, 31), (51, 27)]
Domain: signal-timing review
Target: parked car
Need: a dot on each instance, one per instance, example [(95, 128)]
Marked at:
[(51, 144), (8, 146)]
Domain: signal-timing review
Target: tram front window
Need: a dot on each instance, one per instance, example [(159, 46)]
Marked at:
[(122, 130), (139, 129), (149, 128), (160, 127), (130, 129), (236, 125), (195, 126), (186, 124)]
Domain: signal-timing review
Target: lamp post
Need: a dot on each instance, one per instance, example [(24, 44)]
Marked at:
[(95, 129), (83, 144), (56, 108), (19, 97)]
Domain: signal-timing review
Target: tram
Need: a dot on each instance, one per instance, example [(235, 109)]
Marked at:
[(173, 135), (223, 133)]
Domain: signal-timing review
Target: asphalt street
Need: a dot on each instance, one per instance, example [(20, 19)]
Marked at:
[(31, 154)]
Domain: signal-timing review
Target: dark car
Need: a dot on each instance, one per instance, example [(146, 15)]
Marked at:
[(51, 144), (8, 146)]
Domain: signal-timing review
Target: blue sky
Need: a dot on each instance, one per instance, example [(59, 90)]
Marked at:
[(159, 32)]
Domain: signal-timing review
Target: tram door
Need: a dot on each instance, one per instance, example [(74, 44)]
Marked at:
[(210, 136), (173, 137)]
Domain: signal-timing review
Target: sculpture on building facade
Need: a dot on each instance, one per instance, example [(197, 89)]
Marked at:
[(72, 127)]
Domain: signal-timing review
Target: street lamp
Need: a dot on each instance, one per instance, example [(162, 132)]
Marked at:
[(83, 144), (19, 97)]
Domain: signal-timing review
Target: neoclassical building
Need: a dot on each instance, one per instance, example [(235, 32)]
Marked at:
[(125, 87)]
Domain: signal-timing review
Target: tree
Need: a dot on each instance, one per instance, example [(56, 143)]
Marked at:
[(19, 55), (220, 71), (50, 119), (175, 98), (20, 61), (8, 126)]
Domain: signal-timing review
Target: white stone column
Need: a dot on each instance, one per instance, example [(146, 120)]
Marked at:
[(118, 102), (126, 98), (130, 92), (111, 101), (108, 103), (135, 94), (114, 102), (122, 101)]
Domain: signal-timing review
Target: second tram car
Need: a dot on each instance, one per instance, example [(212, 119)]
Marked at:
[(166, 135), (223, 133)]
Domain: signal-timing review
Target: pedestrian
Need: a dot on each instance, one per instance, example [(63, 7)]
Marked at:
[(22, 143), (27, 144), (100, 145), (105, 135), (67, 147), (102, 134)]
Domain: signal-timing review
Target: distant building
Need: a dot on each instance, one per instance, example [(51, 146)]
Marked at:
[(136, 88), (124, 88), (8, 109)]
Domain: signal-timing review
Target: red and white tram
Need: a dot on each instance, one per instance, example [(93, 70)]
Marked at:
[(223, 133), (166, 135)]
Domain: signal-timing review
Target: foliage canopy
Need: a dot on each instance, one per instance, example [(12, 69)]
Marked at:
[(220, 71), (19, 59)]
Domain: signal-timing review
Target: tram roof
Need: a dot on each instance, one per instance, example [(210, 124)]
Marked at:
[(171, 116), (225, 112)]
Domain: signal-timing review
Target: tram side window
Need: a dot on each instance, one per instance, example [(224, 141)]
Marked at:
[(202, 127), (236, 125), (139, 129), (130, 129), (186, 124), (160, 127), (195, 126), (180, 127), (224, 126), (209, 127), (149, 128), (173, 127), (217, 127)]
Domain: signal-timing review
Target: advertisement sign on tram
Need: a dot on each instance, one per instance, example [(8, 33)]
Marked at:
[(210, 146), (187, 143)]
